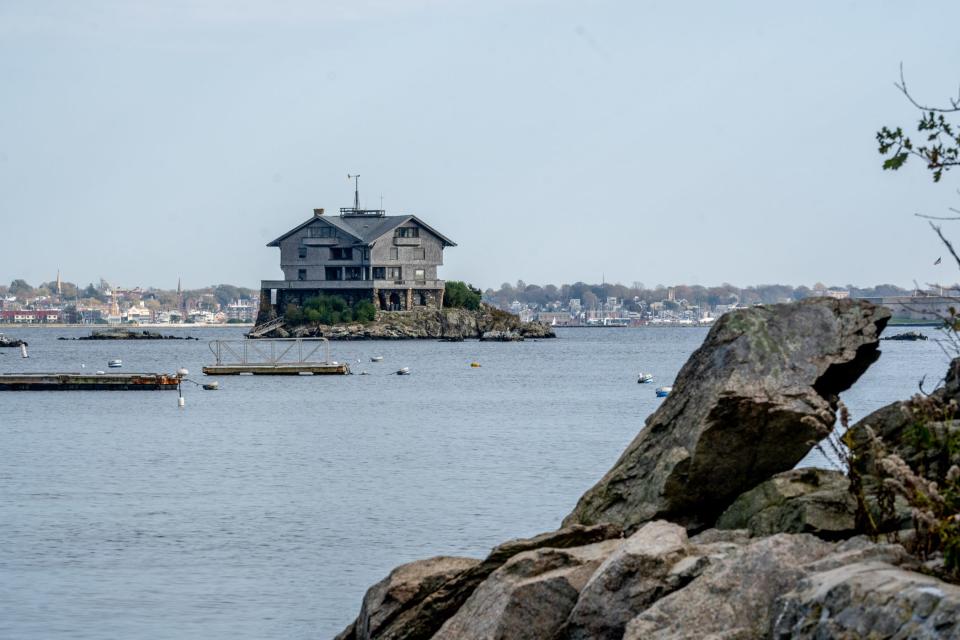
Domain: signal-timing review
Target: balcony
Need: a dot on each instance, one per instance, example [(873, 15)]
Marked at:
[(406, 242), (351, 284)]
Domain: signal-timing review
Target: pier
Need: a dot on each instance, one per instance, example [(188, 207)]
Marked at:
[(272, 357)]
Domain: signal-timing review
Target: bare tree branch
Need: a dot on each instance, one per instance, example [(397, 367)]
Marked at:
[(902, 86), (946, 243)]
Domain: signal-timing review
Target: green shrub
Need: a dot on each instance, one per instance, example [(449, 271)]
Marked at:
[(326, 309), (461, 295)]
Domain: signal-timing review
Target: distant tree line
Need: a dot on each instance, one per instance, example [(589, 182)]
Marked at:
[(590, 295), (222, 293)]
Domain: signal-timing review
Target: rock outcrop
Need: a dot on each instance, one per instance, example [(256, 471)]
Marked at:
[(749, 403), (436, 324), (814, 501), (127, 334)]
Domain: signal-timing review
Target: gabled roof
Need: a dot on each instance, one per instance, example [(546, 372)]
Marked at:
[(366, 229)]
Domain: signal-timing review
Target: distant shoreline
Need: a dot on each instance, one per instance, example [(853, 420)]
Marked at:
[(130, 327)]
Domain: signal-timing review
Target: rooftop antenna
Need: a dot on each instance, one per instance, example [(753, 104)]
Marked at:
[(356, 190)]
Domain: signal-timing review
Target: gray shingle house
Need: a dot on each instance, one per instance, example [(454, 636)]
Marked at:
[(359, 254)]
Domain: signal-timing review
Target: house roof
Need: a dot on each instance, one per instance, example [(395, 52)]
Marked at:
[(365, 229)]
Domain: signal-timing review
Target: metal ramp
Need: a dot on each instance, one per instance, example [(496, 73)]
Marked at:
[(266, 327)]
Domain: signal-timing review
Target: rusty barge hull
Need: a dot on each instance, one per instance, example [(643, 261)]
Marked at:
[(88, 382)]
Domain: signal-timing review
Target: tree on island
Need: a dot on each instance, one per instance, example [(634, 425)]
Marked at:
[(459, 294)]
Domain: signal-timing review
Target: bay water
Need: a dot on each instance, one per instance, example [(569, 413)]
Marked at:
[(266, 508)]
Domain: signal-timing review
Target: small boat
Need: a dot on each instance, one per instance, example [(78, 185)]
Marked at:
[(211, 386), (645, 378), (405, 371), (663, 392), (376, 358), (475, 365), (114, 364)]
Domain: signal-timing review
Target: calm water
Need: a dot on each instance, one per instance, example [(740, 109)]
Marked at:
[(266, 509)]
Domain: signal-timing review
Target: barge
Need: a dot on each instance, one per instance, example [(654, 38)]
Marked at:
[(89, 382)]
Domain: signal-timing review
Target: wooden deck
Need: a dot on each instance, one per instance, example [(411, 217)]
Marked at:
[(279, 369), (88, 382)]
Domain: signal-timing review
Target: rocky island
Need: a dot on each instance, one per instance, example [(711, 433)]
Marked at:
[(703, 528), (452, 324), (11, 342), (127, 334)]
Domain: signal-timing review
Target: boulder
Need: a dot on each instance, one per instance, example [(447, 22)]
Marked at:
[(644, 568), (869, 599), (406, 585), (529, 597), (501, 336), (424, 616), (816, 501), (749, 403), (735, 594)]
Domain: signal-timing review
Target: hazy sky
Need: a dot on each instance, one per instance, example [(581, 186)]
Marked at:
[(661, 142)]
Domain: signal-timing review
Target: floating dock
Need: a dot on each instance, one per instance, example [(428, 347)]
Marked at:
[(285, 369), (272, 357), (88, 382)]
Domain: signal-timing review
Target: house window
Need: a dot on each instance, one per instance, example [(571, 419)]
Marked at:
[(301, 274), (332, 273), (420, 254), (393, 273), (418, 274), (353, 273), (394, 253), (301, 252), (407, 232), (339, 253), (379, 273), (321, 231), (366, 253)]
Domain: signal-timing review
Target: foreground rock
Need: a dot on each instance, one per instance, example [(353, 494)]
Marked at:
[(659, 584), (406, 586), (529, 597), (814, 501), (870, 600), (423, 617), (8, 342), (749, 403), (127, 334), (436, 324)]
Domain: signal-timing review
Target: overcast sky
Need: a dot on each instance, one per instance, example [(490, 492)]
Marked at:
[(661, 142)]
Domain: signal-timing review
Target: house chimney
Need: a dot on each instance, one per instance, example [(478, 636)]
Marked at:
[(318, 212)]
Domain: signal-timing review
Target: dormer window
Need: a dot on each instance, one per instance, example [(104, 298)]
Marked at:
[(321, 231), (407, 232)]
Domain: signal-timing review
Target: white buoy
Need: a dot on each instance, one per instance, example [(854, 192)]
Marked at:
[(182, 372), (23, 351), (181, 402)]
